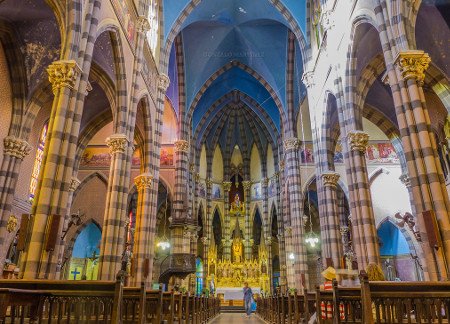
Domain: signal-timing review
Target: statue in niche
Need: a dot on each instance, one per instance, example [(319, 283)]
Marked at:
[(237, 206), (237, 250)]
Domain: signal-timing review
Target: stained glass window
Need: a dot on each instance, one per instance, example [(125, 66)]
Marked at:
[(38, 162), (199, 276), (152, 34)]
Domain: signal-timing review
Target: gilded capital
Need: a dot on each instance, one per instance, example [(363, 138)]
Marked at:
[(226, 186), (291, 143), (413, 64), (74, 183), (16, 147), (163, 82), (358, 141), (247, 184), (117, 143), (143, 181), (63, 73), (308, 78), (143, 24), (330, 178), (181, 146)]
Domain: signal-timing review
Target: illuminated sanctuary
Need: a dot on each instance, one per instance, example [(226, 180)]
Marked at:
[(198, 145)]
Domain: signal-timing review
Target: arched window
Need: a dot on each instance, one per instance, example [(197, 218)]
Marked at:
[(152, 35), (38, 162), (199, 276)]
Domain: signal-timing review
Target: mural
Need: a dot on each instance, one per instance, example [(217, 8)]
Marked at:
[(216, 191), (202, 189), (272, 188), (166, 156), (98, 156), (124, 16), (256, 191)]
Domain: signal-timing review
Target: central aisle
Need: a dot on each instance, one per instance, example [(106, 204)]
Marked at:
[(235, 318)]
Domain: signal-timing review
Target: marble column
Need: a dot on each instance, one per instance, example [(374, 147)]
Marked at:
[(14, 151), (331, 243)]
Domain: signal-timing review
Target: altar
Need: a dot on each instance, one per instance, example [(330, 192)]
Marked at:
[(232, 293)]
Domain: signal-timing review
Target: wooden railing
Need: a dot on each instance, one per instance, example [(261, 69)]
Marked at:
[(373, 302), (43, 301)]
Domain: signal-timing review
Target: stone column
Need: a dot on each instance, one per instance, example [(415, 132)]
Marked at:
[(226, 239), (14, 151), (144, 235), (331, 243), (247, 184), (364, 221), (38, 259), (295, 207), (181, 180), (281, 236), (425, 171)]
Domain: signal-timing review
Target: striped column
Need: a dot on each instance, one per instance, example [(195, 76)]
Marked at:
[(14, 151), (181, 180), (280, 235), (248, 243), (226, 239), (364, 217), (144, 234), (332, 243), (267, 227), (38, 260), (296, 211), (113, 235)]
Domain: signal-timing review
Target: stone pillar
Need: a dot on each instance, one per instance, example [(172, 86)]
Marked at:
[(39, 261), (248, 243), (181, 180), (331, 243), (292, 159), (14, 151), (144, 234), (425, 171), (281, 235), (363, 222), (226, 239)]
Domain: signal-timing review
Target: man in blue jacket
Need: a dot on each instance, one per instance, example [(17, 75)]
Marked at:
[(248, 298)]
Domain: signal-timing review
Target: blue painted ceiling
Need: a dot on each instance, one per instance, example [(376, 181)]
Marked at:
[(251, 32)]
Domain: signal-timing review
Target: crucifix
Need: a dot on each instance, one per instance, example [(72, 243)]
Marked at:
[(75, 273)]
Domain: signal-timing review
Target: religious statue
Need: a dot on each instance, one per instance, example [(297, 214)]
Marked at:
[(237, 250), (237, 206)]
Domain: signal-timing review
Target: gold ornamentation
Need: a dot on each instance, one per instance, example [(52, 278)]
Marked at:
[(209, 183), (11, 225), (192, 167), (413, 64), (181, 146), (358, 141), (16, 147), (226, 186), (117, 143), (308, 78), (291, 143), (197, 177), (288, 230), (74, 183), (247, 184), (143, 24), (63, 73), (143, 181), (343, 230), (163, 82), (330, 178)]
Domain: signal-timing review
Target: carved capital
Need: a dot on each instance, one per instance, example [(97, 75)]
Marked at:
[(330, 178), (74, 183), (205, 240), (268, 241), (163, 82), (404, 178), (247, 184), (11, 225), (413, 64), (209, 183), (358, 141), (63, 73), (226, 186), (181, 146), (143, 24), (265, 182), (117, 143), (327, 20), (308, 78), (143, 181), (16, 147), (291, 143), (344, 230)]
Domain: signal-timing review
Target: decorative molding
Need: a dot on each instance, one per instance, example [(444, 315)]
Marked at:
[(385, 78), (413, 64), (247, 184), (16, 147), (63, 73), (163, 82), (288, 230), (143, 181), (181, 146), (117, 143), (404, 178), (197, 177), (344, 230), (143, 25), (291, 143), (358, 141), (74, 183), (308, 78), (226, 186), (327, 20), (209, 183), (11, 225), (330, 178), (265, 182)]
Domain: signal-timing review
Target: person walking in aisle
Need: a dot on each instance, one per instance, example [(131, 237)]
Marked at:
[(248, 298)]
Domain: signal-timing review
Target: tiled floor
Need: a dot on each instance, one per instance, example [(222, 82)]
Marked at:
[(235, 318)]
